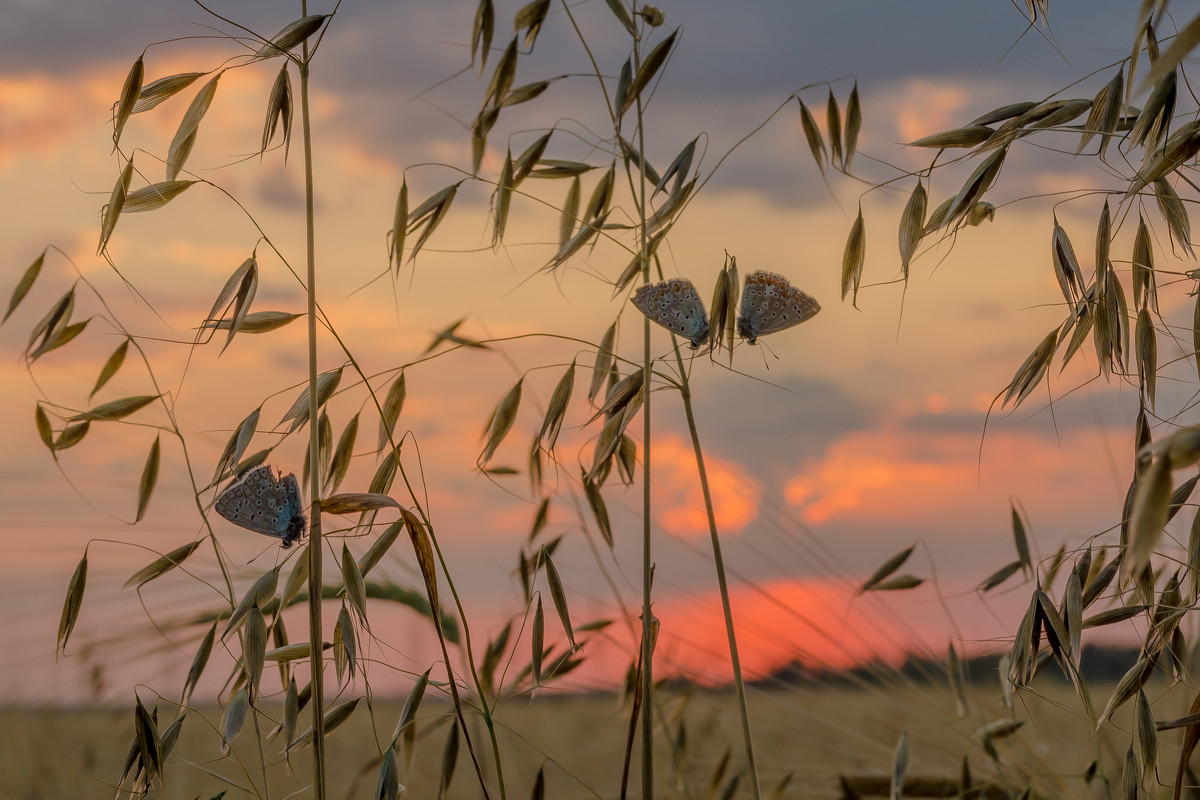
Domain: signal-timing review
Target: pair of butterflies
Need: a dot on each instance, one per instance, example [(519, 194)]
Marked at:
[(263, 502), (769, 304)]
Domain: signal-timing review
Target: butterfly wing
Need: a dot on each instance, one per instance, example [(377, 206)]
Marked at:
[(295, 521), (676, 305), (260, 502), (770, 303)]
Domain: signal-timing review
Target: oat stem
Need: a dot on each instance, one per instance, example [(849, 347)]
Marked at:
[(315, 636)]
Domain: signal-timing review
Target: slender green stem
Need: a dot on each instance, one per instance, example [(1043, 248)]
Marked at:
[(315, 635), (735, 661), (648, 628)]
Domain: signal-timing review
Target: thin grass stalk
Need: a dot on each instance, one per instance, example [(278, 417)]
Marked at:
[(315, 636), (647, 554), (685, 392)]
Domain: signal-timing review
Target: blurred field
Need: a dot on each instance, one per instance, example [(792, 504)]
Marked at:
[(813, 733)]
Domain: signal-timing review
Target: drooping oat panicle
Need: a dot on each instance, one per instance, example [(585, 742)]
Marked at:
[(293, 35), (114, 362), (816, 145), (129, 96)]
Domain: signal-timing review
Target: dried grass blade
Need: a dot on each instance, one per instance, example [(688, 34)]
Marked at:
[(570, 213), (161, 565), (244, 297), (292, 35), (501, 421), (71, 436), (116, 409), (605, 359), (393, 404), (116, 202), (502, 77), (601, 198), (24, 285), (1032, 370), (279, 109), (1020, 539), (646, 71), (185, 135), (678, 169), (425, 560), (599, 510), (146, 737), (356, 503), (1174, 212), (1147, 356), (1106, 110), (72, 603), (327, 383), (379, 547), (816, 145), (1131, 682), (1004, 112), (260, 593), (481, 33), (157, 91), (621, 12), (559, 596), (912, 224), (998, 577), (886, 569), (958, 137), (556, 409), (537, 643), (503, 201), (356, 590), (129, 97), (406, 726), (1184, 43), (576, 242), (333, 719), (1151, 503), (854, 257), (254, 647), (45, 432), (529, 158), (853, 124), (975, 186), (1145, 292), (255, 322), (1191, 738), (1113, 616), (530, 17), (1152, 123), (235, 718), (620, 395), (199, 661), (149, 479), (399, 227), (297, 580), (1103, 241), (436, 213), (154, 196), (833, 122), (339, 465)]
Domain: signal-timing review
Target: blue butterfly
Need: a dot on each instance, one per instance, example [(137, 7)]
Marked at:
[(770, 303), (261, 502), (676, 306)]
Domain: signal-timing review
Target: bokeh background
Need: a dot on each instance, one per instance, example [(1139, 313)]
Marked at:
[(833, 446)]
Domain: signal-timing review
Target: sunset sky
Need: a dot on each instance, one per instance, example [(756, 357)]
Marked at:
[(841, 442)]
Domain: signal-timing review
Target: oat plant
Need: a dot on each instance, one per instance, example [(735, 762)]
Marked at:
[(1129, 305), (629, 214)]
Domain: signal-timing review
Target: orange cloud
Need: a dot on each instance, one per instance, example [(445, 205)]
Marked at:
[(680, 502), (927, 107), (894, 475)]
